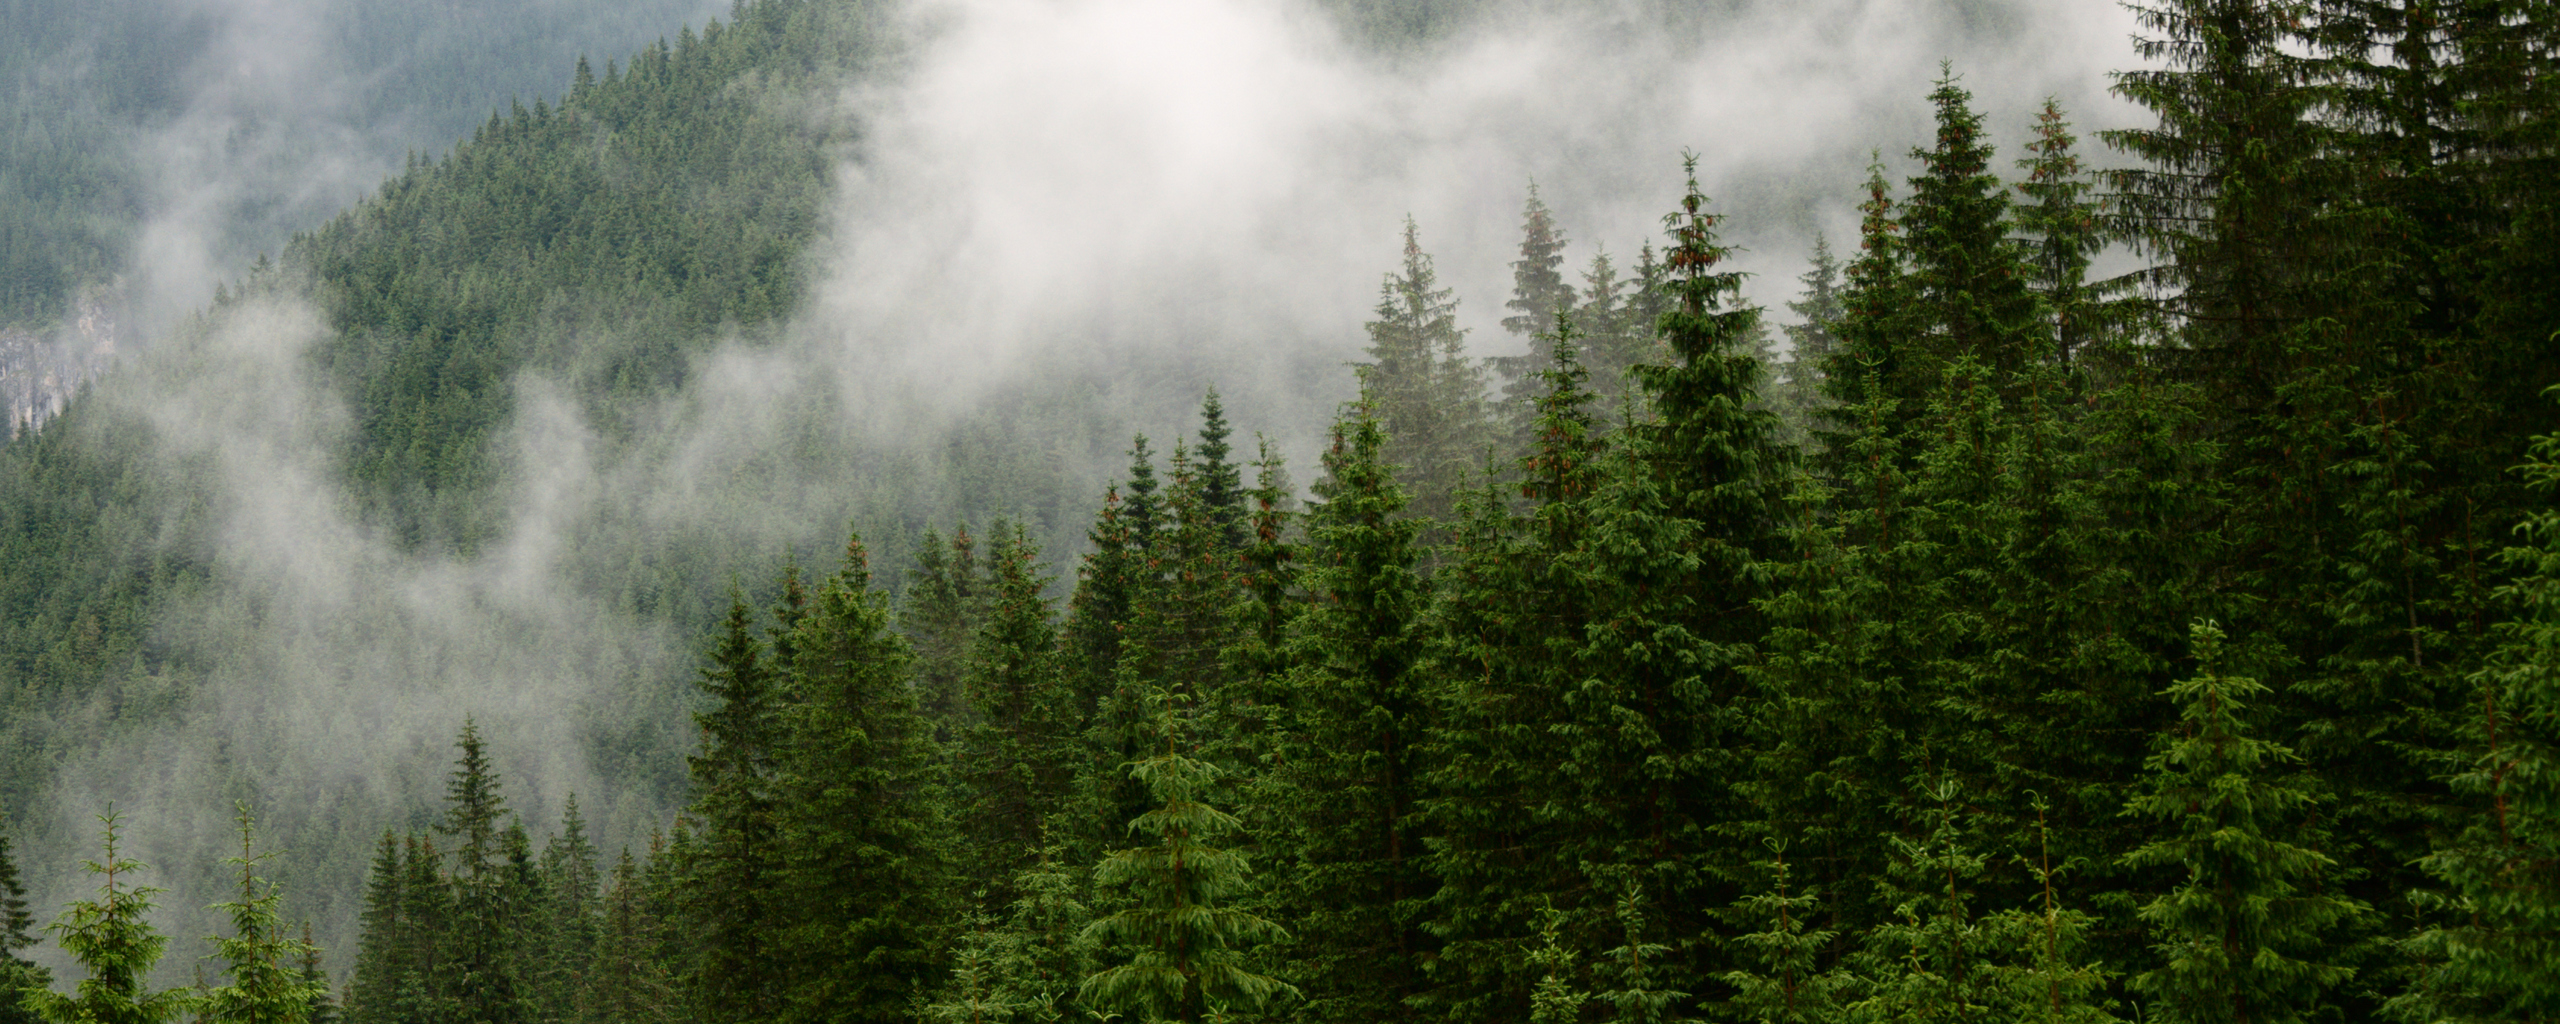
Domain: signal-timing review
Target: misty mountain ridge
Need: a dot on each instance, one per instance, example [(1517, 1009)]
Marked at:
[(499, 439)]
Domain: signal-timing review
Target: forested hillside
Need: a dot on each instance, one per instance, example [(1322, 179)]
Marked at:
[(2020, 644)]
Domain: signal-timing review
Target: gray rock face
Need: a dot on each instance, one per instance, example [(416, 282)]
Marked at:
[(41, 370)]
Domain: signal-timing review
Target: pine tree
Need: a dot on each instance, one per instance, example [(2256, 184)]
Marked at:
[(115, 946), (864, 831), (1966, 277), (1185, 946), (2248, 933), (262, 959)]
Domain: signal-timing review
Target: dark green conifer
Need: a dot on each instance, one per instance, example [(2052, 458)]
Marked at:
[(18, 975), (1348, 772), (734, 777), (1183, 943), (864, 832), (1421, 384)]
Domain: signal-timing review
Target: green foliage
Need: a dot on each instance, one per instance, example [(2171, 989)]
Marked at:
[(1420, 383), (265, 962), (2494, 952), (1183, 945), (18, 976), (115, 947), (863, 821), (2244, 933)]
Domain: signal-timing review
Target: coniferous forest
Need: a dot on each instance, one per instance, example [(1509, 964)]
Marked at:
[(1983, 638)]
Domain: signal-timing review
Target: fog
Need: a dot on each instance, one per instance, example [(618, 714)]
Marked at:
[(1097, 206)]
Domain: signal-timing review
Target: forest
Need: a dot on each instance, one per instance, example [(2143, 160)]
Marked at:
[(2016, 644)]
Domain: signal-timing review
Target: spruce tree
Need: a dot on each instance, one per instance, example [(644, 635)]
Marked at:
[(1184, 944), (18, 976), (1017, 760), (261, 958), (572, 884), (1538, 292), (1783, 976), (479, 971), (384, 940), (863, 826), (1422, 385), (1222, 491), (1967, 279), (2062, 231), (734, 778), (2493, 950), (2247, 932), (1348, 770), (115, 946), (940, 611)]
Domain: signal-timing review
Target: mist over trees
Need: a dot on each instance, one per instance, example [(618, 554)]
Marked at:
[(2020, 644)]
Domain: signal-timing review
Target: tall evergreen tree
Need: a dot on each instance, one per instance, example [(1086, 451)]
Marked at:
[(1348, 775), (2248, 933), (1222, 491), (863, 828), (18, 976), (1183, 941), (1538, 292), (261, 957), (734, 779), (1967, 278), (479, 971), (2493, 952), (115, 945), (1421, 384), (1017, 761), (940, 611)]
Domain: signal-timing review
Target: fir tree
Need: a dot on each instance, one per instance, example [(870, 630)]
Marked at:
[(2062, 229)]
